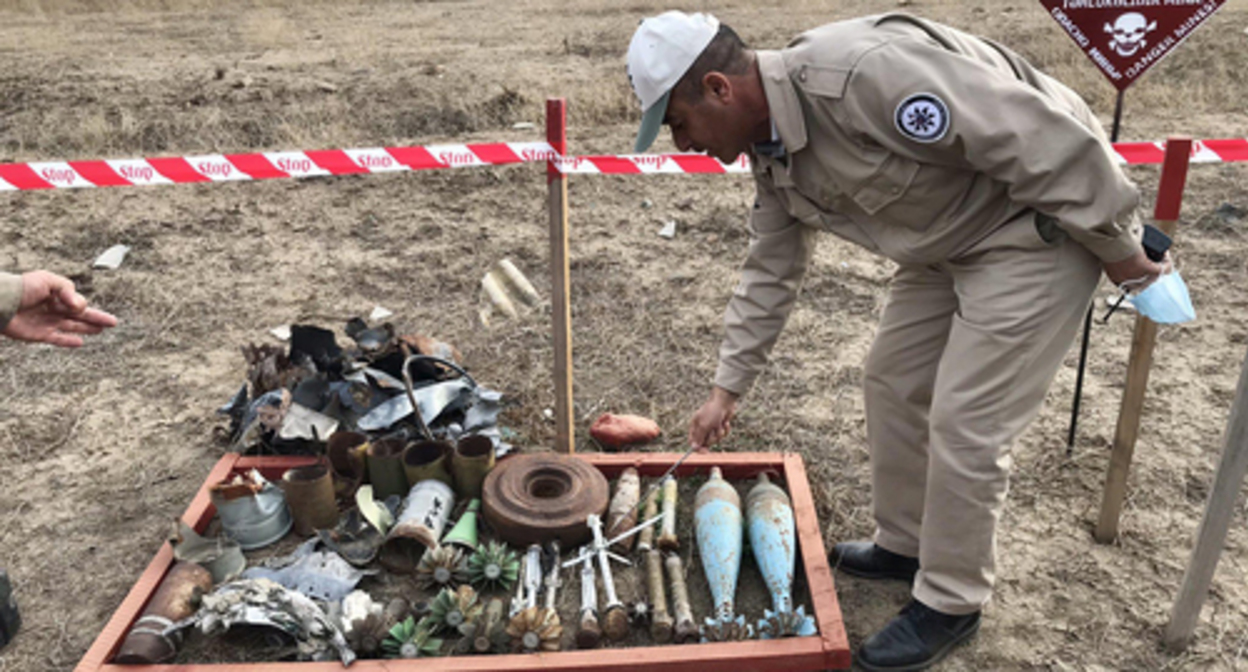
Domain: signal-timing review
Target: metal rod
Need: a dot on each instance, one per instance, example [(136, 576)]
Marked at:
[(1083, 363), (593, 546), (1087, 320), (1113, 133)]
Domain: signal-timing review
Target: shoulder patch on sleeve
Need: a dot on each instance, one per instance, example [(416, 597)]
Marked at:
[(923, 117)]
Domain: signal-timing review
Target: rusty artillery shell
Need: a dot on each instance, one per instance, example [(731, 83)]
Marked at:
[(177, 598), (686, 630), (310, 496), (622, 513), (661, 623), (667, 535)]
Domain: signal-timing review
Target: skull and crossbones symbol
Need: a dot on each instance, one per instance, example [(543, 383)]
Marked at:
[(1128, 33)]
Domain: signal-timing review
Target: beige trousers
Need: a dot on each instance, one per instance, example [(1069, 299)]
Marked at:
[(964, 354)]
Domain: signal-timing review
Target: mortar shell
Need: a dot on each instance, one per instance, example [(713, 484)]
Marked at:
[(769, 516), (717, 521)]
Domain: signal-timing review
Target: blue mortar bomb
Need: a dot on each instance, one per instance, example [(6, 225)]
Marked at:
[(717, 522), (769, 516)]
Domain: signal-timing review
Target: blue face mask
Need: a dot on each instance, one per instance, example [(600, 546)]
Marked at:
[(1166, 301)]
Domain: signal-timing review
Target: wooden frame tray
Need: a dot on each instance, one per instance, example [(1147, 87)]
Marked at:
[(827, 650)]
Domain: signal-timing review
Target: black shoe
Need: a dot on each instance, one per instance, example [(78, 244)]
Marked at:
[(916, 639), (865, 559)]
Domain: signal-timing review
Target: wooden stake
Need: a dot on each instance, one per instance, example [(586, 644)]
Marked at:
[(561, 289), (1213, 526), (1169, 199)]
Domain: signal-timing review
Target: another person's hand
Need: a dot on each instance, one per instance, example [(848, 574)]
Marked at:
[(712, 422), (53, 312), (1136, 272)]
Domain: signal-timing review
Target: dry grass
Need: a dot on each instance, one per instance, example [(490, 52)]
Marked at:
[(101, 447)]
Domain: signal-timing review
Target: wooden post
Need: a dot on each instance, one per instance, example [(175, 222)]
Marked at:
[(1218, 511), (561, 289), (1169, 200)]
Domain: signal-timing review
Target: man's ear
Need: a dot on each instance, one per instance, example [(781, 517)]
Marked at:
[(717, 87)]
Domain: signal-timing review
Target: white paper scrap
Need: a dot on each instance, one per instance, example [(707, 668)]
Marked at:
[(112, 257)]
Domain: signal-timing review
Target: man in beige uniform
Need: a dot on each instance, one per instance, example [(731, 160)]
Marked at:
[(43, 307), (992, 187)]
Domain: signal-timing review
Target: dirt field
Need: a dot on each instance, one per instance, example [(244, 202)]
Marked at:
[(102, 447)]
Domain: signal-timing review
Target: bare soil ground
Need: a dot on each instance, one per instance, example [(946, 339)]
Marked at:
[(102, 447)]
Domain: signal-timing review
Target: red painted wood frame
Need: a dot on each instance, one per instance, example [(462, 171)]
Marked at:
[(827, 650)]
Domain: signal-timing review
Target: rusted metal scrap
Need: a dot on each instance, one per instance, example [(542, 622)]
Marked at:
[(156, 636), (252, 510), (354, 539), (264, 603), (269, 368), (537, 497), (221, 556), (318, 574), (425, 511)]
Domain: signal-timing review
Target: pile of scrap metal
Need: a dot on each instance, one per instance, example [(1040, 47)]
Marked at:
[(295, 398), (309, 603)]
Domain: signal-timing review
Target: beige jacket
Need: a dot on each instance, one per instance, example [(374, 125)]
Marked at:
[(10, 297), (916, 141)]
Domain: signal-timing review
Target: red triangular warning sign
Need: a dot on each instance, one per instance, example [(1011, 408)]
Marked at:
[(1124, 38)]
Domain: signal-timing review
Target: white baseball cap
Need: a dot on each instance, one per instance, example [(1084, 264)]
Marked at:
[(662, 51)]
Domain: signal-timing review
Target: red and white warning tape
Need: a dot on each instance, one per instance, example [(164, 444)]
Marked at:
[(1127, 153), (633, 164), (271, 165), (268, 165)]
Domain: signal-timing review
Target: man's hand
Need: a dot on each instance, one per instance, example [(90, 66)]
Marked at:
[(52, 312), (1136, 272), (712, 422)]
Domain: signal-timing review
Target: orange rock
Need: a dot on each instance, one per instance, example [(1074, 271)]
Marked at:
[(617, 431)]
